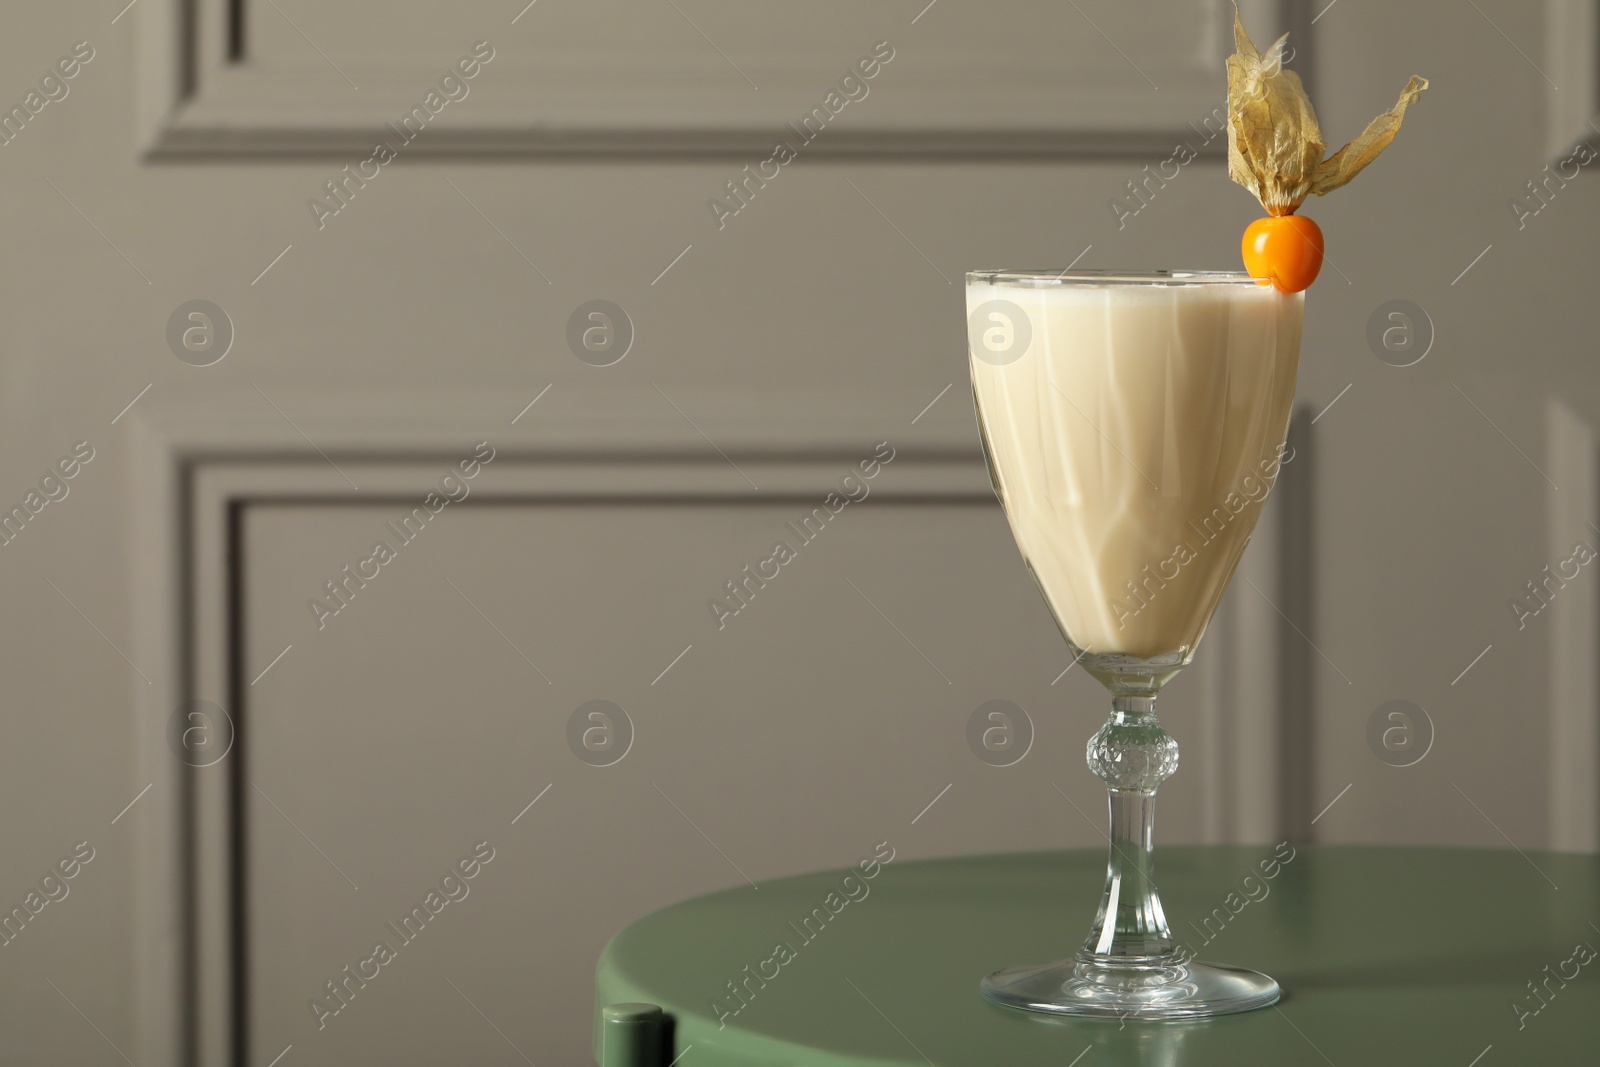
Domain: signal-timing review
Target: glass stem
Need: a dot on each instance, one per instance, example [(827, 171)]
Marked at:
[(1133, 754)]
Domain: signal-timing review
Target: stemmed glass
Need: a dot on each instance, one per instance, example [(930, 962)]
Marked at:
[(1133, 424)]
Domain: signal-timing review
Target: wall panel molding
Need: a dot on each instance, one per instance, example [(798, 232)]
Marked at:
[(1015, 79), (196, 466), (1572, 66), (1573, 516)]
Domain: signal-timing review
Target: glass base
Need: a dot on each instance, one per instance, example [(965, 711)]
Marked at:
[(1153, 990)]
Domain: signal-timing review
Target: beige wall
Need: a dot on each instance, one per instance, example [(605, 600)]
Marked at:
[(407, 329)]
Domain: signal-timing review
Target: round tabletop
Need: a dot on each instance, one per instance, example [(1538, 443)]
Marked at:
[(1386, 955)]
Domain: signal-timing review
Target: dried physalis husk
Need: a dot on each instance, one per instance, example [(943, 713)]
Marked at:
[(1274, 143)]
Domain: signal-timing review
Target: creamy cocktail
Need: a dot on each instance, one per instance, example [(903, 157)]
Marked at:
[(1134, 440), (1133, 425)]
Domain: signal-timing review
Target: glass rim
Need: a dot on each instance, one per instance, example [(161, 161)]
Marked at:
[(1046, 277)]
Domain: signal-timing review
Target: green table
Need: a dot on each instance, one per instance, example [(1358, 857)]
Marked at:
[(1414, 956)]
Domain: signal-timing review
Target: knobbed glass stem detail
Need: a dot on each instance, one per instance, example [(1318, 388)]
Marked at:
[(1133, 755), (1130, 966), (1132, 752)]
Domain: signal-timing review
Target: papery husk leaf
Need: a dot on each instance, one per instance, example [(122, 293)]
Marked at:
[(1349, 161), (1275, 145)]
